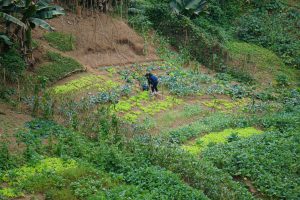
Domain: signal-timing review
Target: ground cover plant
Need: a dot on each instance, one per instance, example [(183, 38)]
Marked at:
[(227, 135), (144, 104), (275, 28), (61, 41), (249, 58), (88, 83), (226, 105), (58, 67), (269, 160)]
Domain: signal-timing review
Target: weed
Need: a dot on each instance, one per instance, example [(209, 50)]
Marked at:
[(61, 41)]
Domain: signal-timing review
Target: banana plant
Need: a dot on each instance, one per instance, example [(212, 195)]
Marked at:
[(30, 14), (9, 18), (34, 14), (5, 39), (187, 7)]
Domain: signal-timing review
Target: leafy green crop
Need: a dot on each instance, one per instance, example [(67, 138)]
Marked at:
[(142, 103), (225, 136), (162, 184), (269, 160), (59, 67), (90, 82)]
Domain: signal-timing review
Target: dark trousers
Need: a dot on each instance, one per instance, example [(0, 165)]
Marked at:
[(154, 87)]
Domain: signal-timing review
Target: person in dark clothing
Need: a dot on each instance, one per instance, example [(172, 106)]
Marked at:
[(152, 82)]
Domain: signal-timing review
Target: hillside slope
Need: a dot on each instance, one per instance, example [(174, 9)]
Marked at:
[(102, 40)]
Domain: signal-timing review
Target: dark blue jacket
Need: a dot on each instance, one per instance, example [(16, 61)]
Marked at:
[(152, 79)]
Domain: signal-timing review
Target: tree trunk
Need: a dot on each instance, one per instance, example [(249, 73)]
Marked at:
[(28, 38), (28, 47)]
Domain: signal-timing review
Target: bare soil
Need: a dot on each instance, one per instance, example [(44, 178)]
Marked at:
[(102, 40)]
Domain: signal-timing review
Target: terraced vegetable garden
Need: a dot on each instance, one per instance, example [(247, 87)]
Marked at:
[(229, 130)]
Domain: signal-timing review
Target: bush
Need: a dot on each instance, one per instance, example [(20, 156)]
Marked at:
[(269, 160), (123, 192), (282, 80), (198, 174), (6, 93), (273, 27), (181, 31), (162, 184), (13, 64)]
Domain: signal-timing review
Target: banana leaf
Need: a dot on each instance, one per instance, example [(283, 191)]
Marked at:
[(41, 23), (49, 14), (5, 39), (180, 6), (12, 19), (5, 3)]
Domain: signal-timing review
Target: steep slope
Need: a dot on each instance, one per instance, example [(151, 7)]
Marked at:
[(102, 40)]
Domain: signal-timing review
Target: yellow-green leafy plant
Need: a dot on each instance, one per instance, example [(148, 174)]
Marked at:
[(142, 103), (220, 137), (17, 177), (90, 82), (226, 105)]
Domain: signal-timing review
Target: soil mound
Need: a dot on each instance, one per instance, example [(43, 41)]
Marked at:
[(102, 40)]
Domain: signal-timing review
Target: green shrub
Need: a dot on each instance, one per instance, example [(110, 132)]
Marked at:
[(57, 194), (59, 67), (274, 27), (61, 41), (182, 32), (6, 93), (12, 64), (214, 183), (6, 161), (123, 192), (282, 80), (162, 184), (269, 160)]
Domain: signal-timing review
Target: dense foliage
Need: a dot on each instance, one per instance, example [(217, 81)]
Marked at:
[(12, 64), (228, 132), (273, 26), (270, 161)]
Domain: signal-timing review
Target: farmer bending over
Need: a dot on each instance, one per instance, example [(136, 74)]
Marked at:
[(152, 82)]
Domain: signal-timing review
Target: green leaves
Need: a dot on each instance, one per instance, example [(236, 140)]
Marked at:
[(31, 14), (268, 159), (185, 6), (5, 39), (5, 3), (49, 14), (41, 23), (12, 19)]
